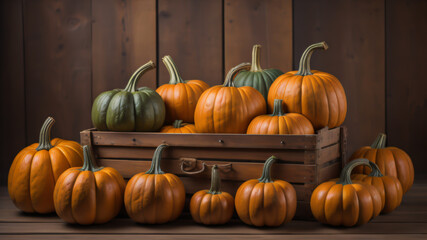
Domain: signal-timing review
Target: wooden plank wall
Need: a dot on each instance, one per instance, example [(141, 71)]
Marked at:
[(57, 56)]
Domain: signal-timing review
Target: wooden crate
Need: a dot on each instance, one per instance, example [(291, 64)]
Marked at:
[(305, 160)]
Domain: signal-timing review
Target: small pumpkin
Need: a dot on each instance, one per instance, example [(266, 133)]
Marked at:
[(129, 109), (179, 127), (89, 195), (212, 207), (180, 96), (344, 203), (154, 197), (256, 77), (319, 96), (266, 202), (391, 161), (280, 123), (36, 169), (228, 109)]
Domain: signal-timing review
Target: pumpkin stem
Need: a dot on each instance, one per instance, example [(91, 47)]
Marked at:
[(256, 59), (230, 75), (379, 141), (44, 138), (215, 181), (266, 171), (304, 63), (155, 163), (345, 177), (376, 172), (131, 86), (89, 164), (173, 71), (277, 108), (177, 124)]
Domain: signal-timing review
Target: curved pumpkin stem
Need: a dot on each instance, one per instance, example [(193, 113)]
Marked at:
[(215, 181), (44, 138), (155, 163), (376, 172), (89, 164), (304, 63), (266, 171), (379, 141), (131, 86), (175, 78), (345, 177), (277, 108), (256, 59), (177, 124), (230, 75)]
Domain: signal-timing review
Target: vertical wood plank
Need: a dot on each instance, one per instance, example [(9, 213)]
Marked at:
[(57, 66), (12, 91), (249, 22), (190, 31), (124, 38), (406, 82), (354, 31)]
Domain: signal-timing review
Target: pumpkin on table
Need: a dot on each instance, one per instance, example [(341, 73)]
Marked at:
[(179, 127), (319, 96), (129, 109), (36, 169), (89, 195)]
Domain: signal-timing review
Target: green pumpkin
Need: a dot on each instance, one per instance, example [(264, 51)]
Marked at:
[(129, 109), (257, 77)]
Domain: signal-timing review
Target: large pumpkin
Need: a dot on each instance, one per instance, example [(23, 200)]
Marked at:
[(154, 197), (344, 203), (36, 168), (180, 96), (89, 195), (212, 206), (280, 123), (256, 77), (129, 109), (319, 96), (179, 127), (264, 201), (391, 161), (228, 109)]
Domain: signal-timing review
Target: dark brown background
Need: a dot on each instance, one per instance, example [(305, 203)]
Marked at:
[(58, 55)]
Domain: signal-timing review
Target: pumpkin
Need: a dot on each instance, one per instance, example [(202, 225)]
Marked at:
[(90, 194), (179, 127), (280, 123), (228, 109), (256, 77), (344, 203), (36, 169), (180, 96), (212, 207), (389, 187), (319, 96), (391, 161), (154, 197), (266, 202), (129, 109)]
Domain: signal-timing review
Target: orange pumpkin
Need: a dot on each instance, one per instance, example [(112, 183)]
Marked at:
[(266, 202), (36, 168), (154, 196), (212, 207), (179, 127), (319, 96), (89, 195), (180, 96), (391, 161), (280, 123), (228, 109)]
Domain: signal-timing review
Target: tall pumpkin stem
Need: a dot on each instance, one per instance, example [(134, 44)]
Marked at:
[(379, 141), (155, 163), (89, 164), (266, 171), (44, 138), (230, 75), (304, 63), (256, 59), (131, 86), (345, 177), (175, 78), (177, 124), (376, 172), (277, 108), (215, 181)]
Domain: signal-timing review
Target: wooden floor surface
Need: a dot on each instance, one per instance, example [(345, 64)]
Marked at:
[(409, 221)]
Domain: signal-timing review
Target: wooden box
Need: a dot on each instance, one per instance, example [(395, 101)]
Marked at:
[(305, 160)]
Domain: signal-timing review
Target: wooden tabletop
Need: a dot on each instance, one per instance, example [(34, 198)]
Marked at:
[(409, 221)]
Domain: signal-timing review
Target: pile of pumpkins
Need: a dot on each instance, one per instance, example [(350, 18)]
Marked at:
[(62, 176)]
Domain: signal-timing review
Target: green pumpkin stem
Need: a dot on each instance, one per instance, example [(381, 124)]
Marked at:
[(44, 138), (230, 75), (266, 171), (215, 181), (379, 141), (175, 78), (277, 108), (131, 86), (304, 63), (256, 59), (376, 172), (88, 163), (345, 177), (155, 163), (177, 124)]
